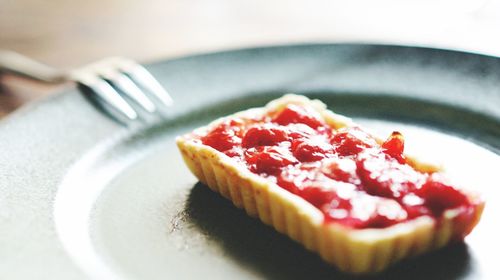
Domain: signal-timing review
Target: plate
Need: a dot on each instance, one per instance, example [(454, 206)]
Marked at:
[(83, 197)]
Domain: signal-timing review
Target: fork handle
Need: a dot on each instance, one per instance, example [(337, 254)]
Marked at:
[(20, 65)]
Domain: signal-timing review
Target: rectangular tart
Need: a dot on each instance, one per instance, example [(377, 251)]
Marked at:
[(354, 244)]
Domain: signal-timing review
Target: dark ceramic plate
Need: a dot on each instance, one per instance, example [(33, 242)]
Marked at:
[(83, 197)]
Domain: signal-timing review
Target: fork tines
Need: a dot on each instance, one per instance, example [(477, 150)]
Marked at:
[(117, 81)]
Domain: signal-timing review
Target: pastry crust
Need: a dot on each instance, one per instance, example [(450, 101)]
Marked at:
[(358, 251)]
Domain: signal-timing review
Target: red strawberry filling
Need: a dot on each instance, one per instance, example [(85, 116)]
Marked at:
[(345, 173)]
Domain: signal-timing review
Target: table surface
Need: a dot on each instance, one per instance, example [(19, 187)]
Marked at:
[(68, 34)]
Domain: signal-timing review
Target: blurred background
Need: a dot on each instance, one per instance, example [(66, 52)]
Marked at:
[(67, 34)]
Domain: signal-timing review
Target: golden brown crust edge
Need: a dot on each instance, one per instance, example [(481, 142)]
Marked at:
[(358, 251)]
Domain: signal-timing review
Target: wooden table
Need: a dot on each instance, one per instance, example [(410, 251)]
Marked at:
[(66, 34)]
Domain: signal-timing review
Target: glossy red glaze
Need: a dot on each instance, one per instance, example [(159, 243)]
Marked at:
[(297, 114), (345, 173), (224, 137), (264, 135), (394, 146)]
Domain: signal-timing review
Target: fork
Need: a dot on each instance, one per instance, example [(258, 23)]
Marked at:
[(121, 83)]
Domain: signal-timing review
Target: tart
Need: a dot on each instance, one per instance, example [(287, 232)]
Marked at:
[(316, 176)]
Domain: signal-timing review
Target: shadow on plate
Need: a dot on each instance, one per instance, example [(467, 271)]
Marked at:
[(275, 256)]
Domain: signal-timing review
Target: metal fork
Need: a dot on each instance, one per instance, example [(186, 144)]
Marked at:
[(120, 82)]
